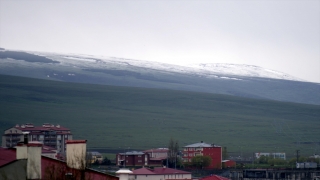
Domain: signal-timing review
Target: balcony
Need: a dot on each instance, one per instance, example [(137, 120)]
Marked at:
[(50, 137)]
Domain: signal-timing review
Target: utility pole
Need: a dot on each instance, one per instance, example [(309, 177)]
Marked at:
[(167, 158), (298, 155)]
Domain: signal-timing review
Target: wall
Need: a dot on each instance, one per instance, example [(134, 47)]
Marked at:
[(216, 155), (76, 155), (15, 170)]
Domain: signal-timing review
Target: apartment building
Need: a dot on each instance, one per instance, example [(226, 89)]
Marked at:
[(204, 149), (157, 156), (48, 134), (133, 158)]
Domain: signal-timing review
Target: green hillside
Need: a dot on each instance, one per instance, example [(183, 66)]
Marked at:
[(120, 117)]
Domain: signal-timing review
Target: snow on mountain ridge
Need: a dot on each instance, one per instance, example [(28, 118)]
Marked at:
[(242, 70), (208, 70)]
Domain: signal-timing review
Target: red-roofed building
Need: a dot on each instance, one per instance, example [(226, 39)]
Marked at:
[(26, 161), (159, 173), (214, 177), (47, 134), (228, 163)]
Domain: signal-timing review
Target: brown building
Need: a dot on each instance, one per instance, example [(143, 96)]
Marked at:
[(48, 134), (157, 156), (133, 158)]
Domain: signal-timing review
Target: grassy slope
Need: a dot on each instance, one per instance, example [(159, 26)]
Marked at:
[(116, 117)]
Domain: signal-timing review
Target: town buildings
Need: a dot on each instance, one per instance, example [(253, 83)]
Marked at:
[(48, 134), (204, 149), (279, 155)]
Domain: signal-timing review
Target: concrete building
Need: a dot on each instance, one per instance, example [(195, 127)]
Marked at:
[(159, 173), (204, 149), (95, 156), (279, 155), (157, 156), (47, 134), (132, 158)]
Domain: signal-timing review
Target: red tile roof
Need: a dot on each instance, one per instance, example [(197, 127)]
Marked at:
[(75, 141), (214, 177), (40, 128), (7, 156), (142, 171), (158, 171)]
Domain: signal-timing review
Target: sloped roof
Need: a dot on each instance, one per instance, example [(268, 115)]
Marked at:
[(201, 144), (132, 153), (158, 171), (158, 150), (7, 156), (214, 177), (142, 171)]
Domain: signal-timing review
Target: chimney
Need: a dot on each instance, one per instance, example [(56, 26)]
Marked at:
[(31, 152), (123, 174), (25, 137), (76, 153)]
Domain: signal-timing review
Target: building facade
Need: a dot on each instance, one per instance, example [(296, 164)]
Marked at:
[(279, 155), (204, 149), (133, 158), (157, 156), (48, 134)]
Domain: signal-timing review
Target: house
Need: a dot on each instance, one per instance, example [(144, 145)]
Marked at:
[(228, 163), (48, 134), (49, 152), (280, 155), (159, 173), (95, 156), (204, 149), (132, 158), (25, 162), (157, 156)]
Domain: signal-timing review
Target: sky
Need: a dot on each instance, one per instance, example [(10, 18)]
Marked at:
[(282, 35)]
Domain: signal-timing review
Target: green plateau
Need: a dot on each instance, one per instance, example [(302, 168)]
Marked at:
[(115, 118)]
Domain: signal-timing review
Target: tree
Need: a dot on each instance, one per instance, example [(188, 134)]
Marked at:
[(201, 161), (106, 161), (173, 151), (224, 153)]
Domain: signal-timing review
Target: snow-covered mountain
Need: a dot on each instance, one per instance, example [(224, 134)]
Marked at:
[(208, 70), (242, 70), (232, 79)]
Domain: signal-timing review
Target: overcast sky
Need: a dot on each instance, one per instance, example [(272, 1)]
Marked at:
[(282, 35)]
